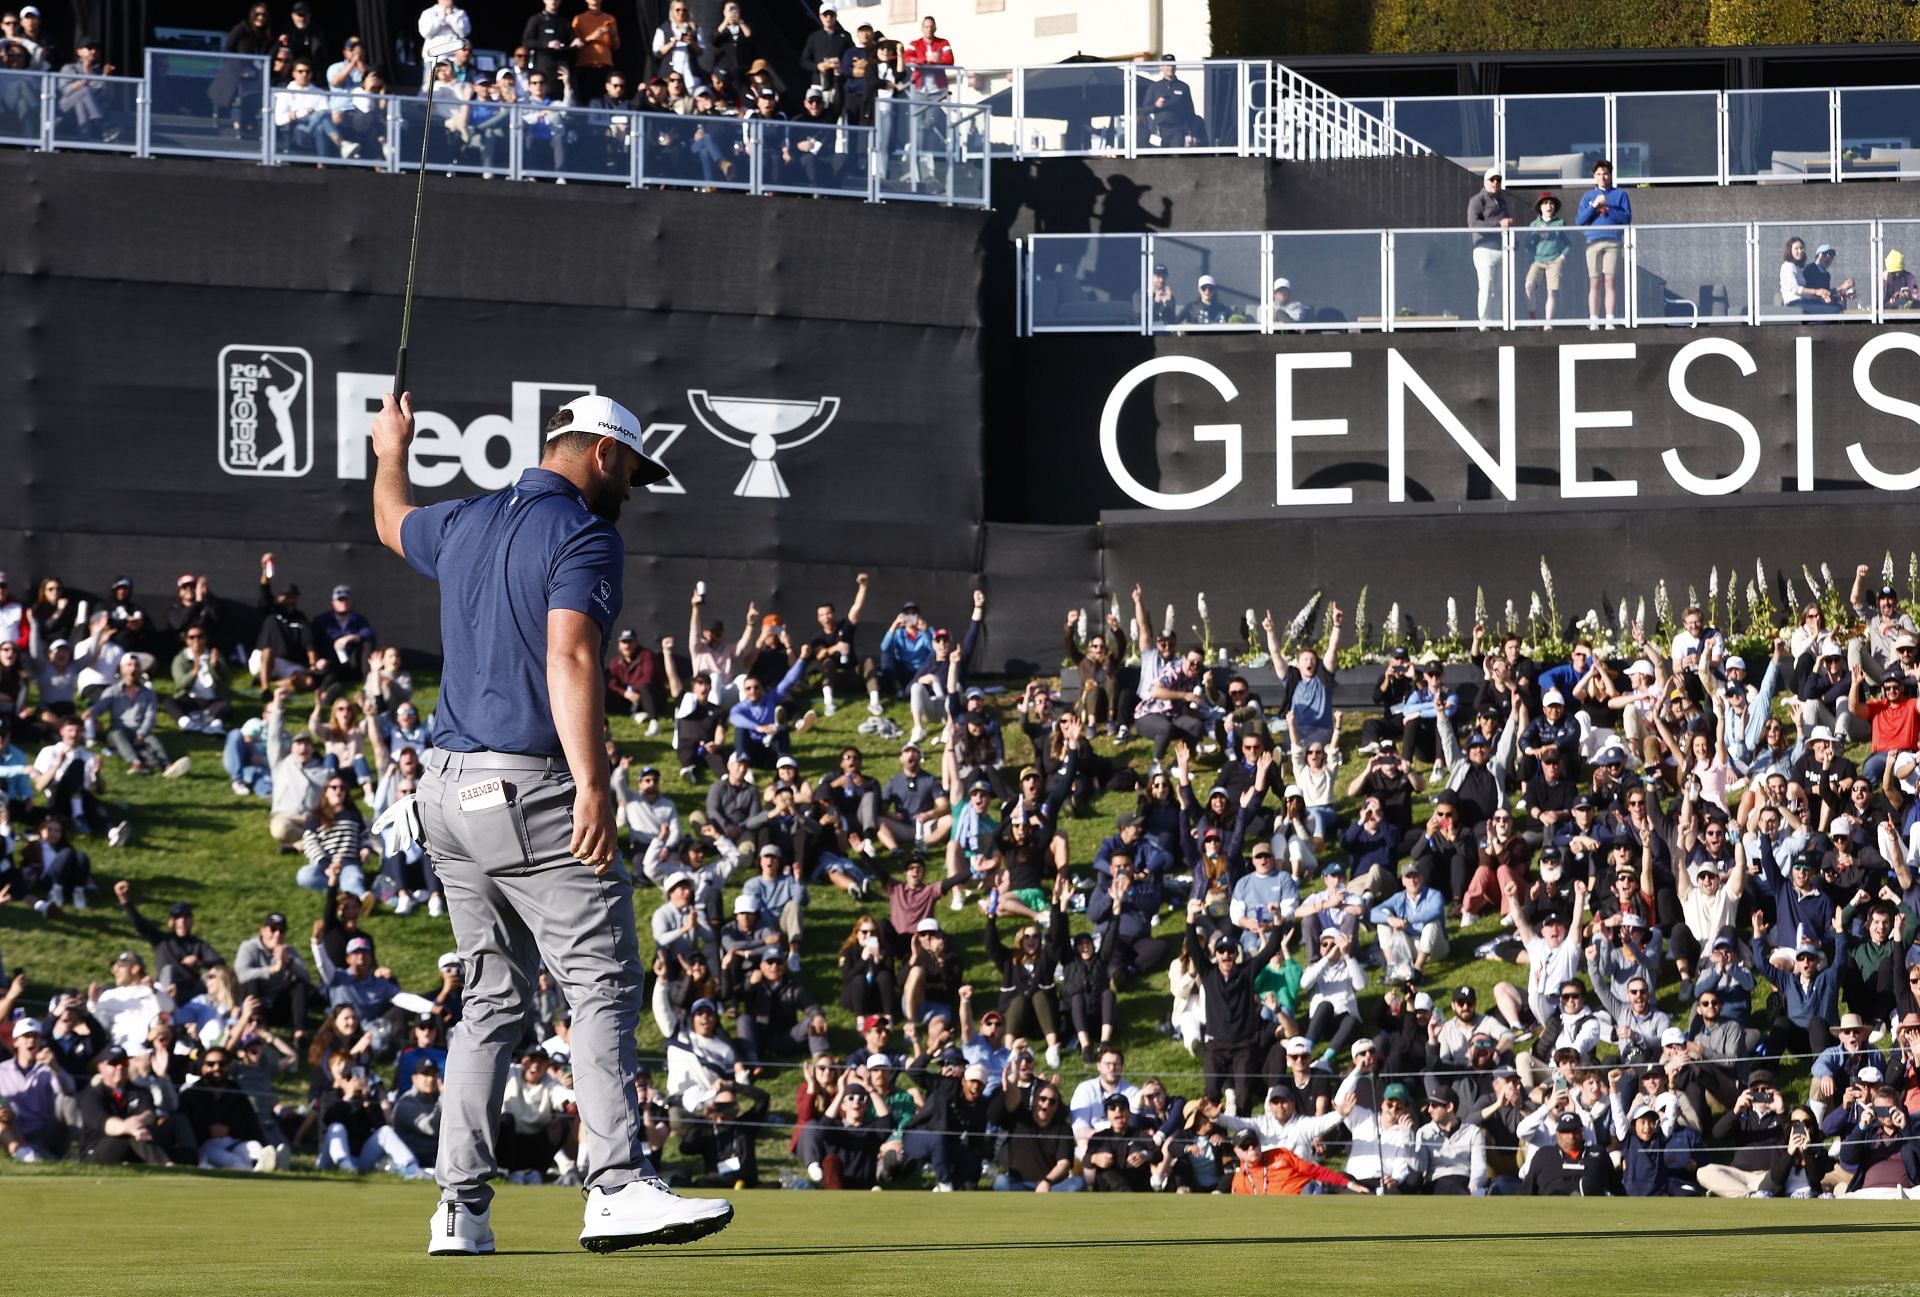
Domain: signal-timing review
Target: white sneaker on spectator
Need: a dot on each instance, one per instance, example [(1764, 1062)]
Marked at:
[(57, 897), (1230, 1102), (403, 905), (190, 722), (646, 1211), (436, 906), (806, 722), (177, 768), (873, 706), (1053, 1055), (959, 899), (458, 1230), (826, 700), (214, 726), (943, 1187), (919, 734), (120, 834), (80, 898), (239, 789), (349, 148), (653, 727)]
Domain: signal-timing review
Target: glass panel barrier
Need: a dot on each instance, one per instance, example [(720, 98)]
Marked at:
[(201, 104), (1189, 107), (1085, 283), (1554, 139), (579, 143), (20, 107), (932, 152), (462, 137), (1205, 283), (1667, 136), (1691, 274), (699, 151), (1880, 131), (1548, 275), (802, 157), (1075, 108), (1457, 128), (991, 88), (1814, 271), (330, 128), (1899, 277), (1438, 277), (92, 112), (1779, 134), (1325, 280)]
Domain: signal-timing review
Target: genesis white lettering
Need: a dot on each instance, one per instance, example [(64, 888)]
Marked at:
[(1598, 401)]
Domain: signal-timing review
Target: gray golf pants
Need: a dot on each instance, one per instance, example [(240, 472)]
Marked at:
[(518, 899)]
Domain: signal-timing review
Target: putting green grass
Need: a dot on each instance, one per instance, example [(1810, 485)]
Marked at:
[(197, 1234)]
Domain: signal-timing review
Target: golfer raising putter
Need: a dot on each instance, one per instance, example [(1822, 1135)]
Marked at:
[(515, 808)]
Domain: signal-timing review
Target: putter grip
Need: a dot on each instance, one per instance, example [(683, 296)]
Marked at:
[(399, 373)]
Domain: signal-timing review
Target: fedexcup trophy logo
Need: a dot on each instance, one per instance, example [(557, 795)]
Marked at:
[(266, 411), (762, 427)]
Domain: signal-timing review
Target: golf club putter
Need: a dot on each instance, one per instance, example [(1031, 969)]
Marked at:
[(437, 52)]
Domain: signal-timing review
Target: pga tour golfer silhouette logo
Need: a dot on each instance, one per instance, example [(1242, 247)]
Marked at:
[(266, 411), (762, 427)]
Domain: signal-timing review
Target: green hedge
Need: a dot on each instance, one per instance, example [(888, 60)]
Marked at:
[(1258, 28)]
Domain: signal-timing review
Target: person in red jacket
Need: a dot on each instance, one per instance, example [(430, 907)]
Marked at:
[(929, 49), (1280, 1170), (636, 682)]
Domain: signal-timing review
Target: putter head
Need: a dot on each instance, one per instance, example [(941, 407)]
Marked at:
[(441, 48)]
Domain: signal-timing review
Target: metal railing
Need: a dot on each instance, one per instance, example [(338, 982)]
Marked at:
[(197, 103), (922, 148), (1673, 136), (1523, 277)]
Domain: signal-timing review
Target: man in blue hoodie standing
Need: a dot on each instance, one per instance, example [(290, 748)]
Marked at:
[(1604, 213)]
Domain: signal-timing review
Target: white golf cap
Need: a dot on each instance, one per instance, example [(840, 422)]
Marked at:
[(1736, 663), (1820, 734), (1282, 282), (1206, 281), (1553, 697), (1640, 667), (675, 879), (1299, 1045), (608, 418), (1491, 173), (451, 959), (744, 904), (1672, 1036), (1422, 1001)]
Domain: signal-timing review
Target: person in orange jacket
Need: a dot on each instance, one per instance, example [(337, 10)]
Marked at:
[(1280, 1170)]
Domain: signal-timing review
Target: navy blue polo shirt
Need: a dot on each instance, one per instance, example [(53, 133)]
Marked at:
[(503, 560)]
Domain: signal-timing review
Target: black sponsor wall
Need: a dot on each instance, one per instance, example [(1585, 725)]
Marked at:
[(859, 322)]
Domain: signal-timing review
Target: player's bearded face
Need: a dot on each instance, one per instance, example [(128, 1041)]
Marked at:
[(612, 484)]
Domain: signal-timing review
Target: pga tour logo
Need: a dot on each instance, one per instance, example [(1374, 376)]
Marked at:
[(266, 411)]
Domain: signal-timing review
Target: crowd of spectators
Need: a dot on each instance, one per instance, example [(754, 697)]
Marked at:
[(1645, 841), (684, 91)]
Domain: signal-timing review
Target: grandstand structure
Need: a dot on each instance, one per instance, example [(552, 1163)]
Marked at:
[(1013, 223)]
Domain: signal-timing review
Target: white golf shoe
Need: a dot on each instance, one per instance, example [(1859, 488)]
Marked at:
[(458, 1230), (645, 1212)]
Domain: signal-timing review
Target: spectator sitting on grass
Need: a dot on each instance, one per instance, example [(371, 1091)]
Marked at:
[(299, 775), (129, 710), (54, 869), (843, 1150), (181, 958), (538, 1128), (354, 1132), (368, 989), (416, 1113), (118, 1122), (69, 774), (128, 1008), (1280, 1170), (245, 759), (224, 1123), (33, 1090), (336, 842), (199, 700)]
